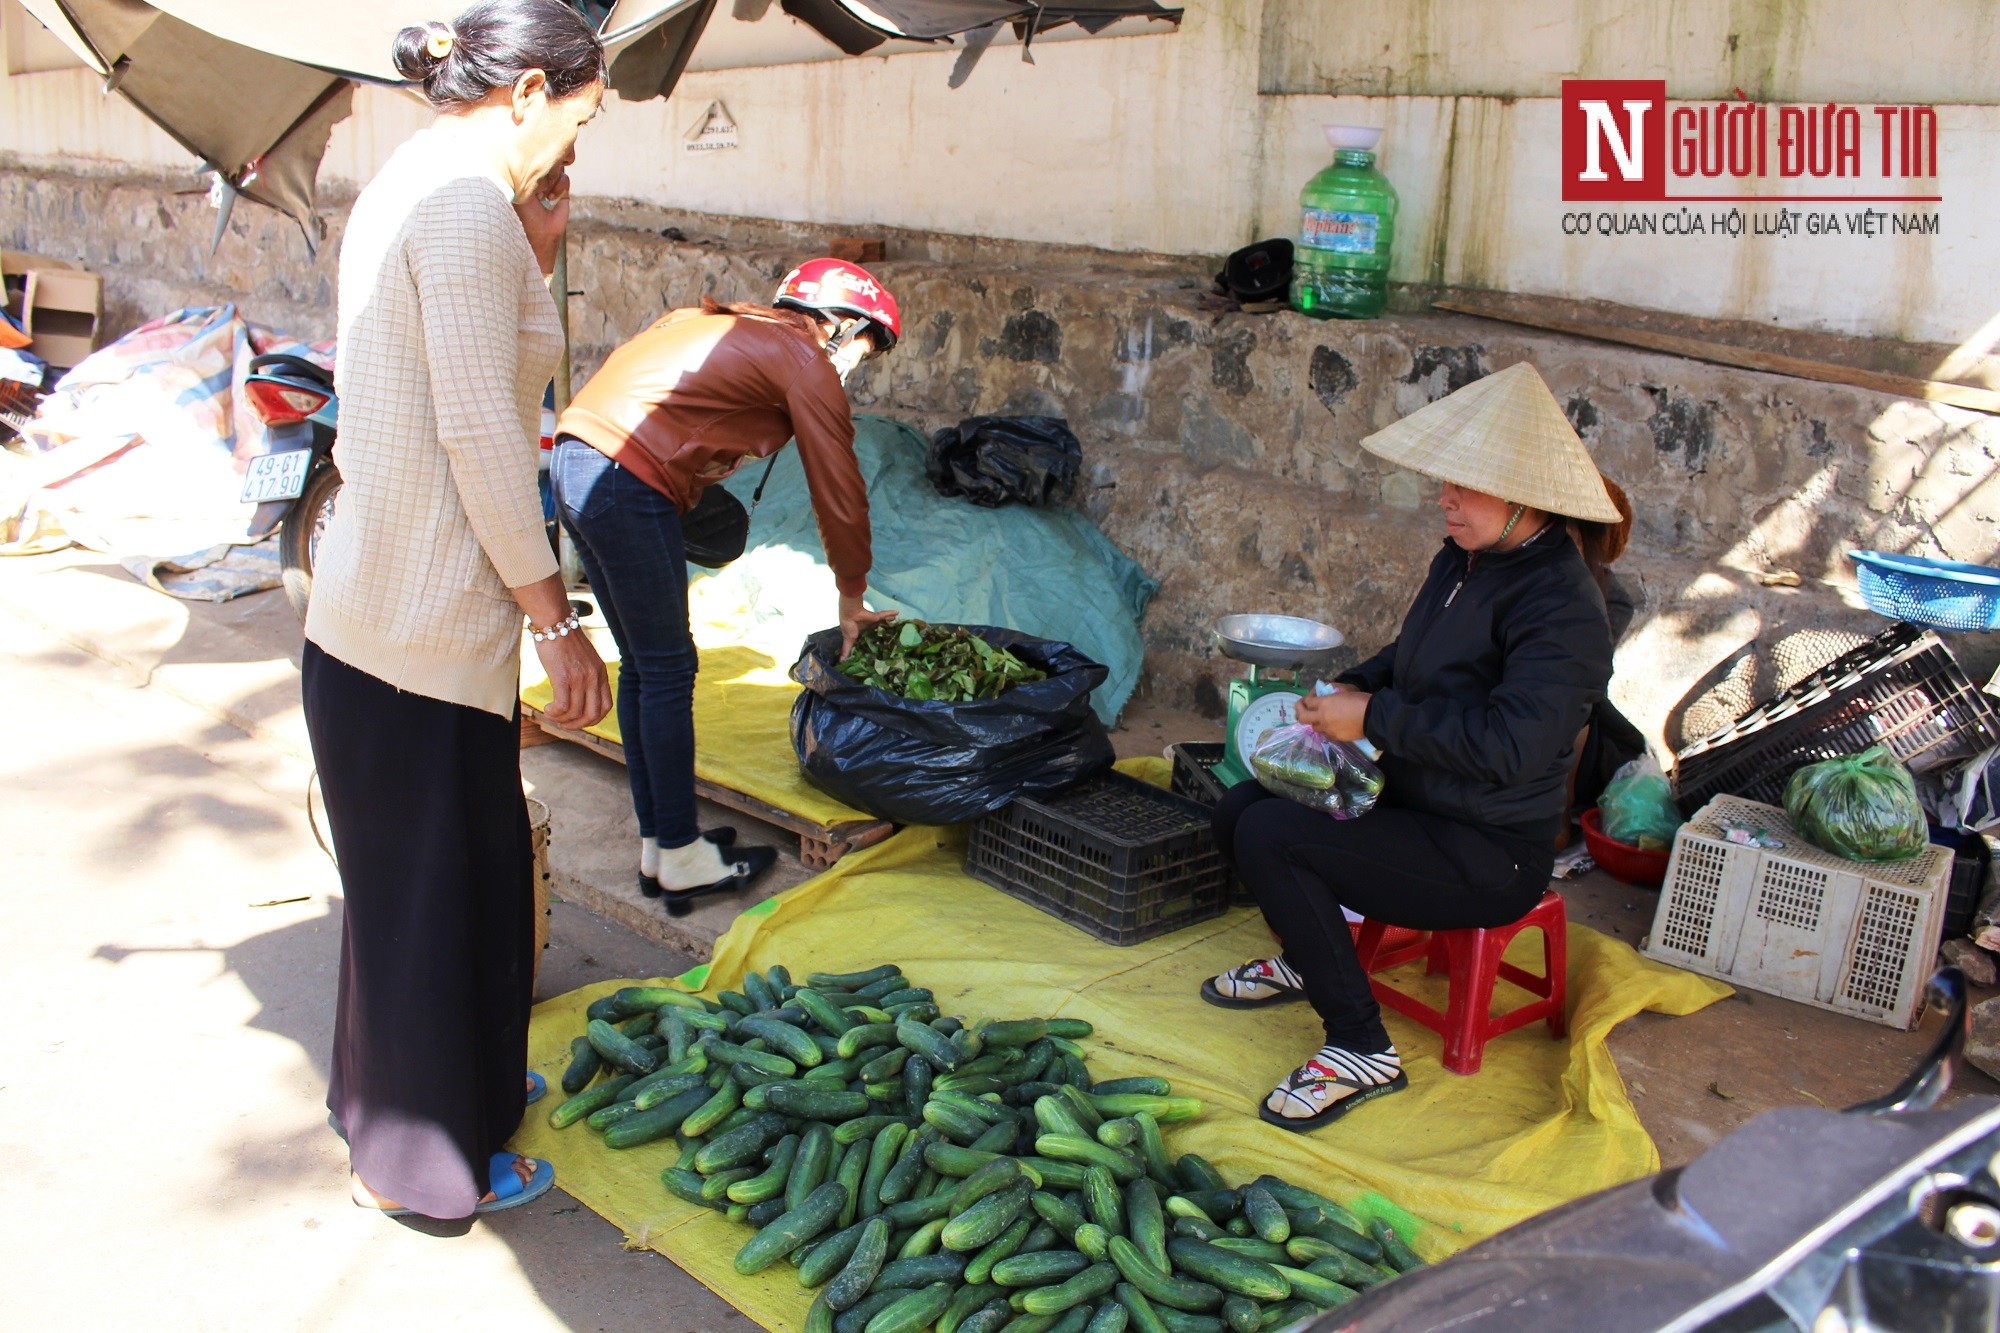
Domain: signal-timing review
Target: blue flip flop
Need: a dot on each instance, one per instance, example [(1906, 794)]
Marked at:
[(509, 1191)]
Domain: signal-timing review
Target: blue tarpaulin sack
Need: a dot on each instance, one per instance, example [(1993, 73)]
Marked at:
[(1048, 572)]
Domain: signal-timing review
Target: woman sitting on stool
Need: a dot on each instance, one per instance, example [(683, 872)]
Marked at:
[(1476, 709)]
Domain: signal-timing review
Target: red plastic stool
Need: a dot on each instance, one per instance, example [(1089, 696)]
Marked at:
[(1473, 959)]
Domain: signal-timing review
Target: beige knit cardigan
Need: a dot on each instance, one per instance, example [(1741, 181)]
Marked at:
[(447, 337)]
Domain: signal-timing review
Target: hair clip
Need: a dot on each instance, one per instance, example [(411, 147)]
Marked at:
[(439, 43)]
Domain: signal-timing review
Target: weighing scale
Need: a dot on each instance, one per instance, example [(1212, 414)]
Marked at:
[(1271, 645)]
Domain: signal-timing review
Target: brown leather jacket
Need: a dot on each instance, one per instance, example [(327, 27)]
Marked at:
[(688, 401)]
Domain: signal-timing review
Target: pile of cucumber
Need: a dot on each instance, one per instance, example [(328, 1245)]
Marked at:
[(921, 1173)]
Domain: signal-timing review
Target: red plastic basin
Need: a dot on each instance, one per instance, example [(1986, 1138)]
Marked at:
[(1621, 860)]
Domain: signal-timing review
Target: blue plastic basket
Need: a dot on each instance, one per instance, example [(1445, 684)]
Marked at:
[(1943, 594)]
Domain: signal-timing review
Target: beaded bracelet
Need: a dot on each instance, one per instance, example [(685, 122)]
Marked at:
[(559, 630)]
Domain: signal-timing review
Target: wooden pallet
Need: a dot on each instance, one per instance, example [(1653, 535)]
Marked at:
[(820, 845)]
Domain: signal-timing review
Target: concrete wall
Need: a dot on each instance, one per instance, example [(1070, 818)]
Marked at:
[(1198, 141), (1773, 50), (1222, 449), (1481, 209)]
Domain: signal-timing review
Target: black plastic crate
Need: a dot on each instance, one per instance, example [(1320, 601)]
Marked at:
[(1116, 857), (1901, 689), (1195, 778), (1968, 878), (1194, 770)]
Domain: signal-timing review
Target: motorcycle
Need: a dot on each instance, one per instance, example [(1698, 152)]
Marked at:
[(1882, 1217), (294, 483)]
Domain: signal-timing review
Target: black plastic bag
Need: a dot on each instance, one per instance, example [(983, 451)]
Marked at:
[(924, 761), (992, 460)]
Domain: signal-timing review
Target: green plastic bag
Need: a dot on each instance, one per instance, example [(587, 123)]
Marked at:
[(1638, 807), (1860, 806)]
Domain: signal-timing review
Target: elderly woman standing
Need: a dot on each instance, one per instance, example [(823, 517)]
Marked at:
[(435, 552), (1476, 708)]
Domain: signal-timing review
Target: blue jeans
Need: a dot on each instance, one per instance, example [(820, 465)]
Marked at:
[(629, 536)]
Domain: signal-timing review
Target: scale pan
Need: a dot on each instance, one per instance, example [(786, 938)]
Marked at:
[(1278, 641)]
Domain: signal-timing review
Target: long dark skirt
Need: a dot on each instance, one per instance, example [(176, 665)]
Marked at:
[(430, 1036)]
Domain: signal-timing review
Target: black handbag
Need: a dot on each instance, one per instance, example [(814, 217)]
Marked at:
[(715, 530), (1258, 273)]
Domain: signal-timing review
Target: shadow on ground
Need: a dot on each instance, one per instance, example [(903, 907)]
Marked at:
[(574, 1259)]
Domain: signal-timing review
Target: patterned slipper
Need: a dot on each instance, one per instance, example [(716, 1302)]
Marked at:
[(1255, 984), (1329, 1085)]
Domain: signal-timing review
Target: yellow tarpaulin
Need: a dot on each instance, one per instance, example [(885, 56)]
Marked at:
[(1543, 1122), (742, 728)]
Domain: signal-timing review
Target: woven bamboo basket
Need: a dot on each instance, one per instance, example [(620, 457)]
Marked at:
[(538, 824)]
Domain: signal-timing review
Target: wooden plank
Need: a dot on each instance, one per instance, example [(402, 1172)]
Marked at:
[(750, 805), (1746, 358), (595, 744), (820, 844)]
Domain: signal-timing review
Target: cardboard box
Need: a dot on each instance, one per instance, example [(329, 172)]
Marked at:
[(63, 308), (14, 267), (859, 249), (16, 263)]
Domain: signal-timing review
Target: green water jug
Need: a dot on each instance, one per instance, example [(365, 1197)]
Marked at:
[(1347, 224)]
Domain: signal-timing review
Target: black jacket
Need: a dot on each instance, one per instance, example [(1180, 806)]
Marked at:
[(1478, 702)]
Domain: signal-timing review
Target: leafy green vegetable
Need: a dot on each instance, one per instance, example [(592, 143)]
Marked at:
[(1861, 806), (922, 661)]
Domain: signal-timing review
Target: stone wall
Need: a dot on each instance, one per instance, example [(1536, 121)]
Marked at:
[(1222, 449)]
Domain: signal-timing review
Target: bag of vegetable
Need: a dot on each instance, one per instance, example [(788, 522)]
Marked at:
[(1860, 806), (1638, 807), (1298, 763), (989, 730)]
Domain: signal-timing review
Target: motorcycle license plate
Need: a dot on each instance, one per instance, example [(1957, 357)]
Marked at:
[(280, 476)]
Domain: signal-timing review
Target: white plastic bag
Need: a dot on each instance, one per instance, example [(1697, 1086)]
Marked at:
[(1970, 795)]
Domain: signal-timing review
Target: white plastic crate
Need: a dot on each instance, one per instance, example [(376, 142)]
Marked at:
[(1852, 936)]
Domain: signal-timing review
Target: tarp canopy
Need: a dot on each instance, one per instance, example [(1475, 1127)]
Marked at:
[(353, 37), (261, 122), (857, 26), (254, 91)]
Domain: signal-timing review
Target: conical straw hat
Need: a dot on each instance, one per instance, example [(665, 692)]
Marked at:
[(1506, 436)]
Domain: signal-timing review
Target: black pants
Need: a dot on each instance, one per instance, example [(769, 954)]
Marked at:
[(1400, 867), (430, 1037)]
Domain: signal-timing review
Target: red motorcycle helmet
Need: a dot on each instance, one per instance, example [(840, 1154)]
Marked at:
[(843, 288)]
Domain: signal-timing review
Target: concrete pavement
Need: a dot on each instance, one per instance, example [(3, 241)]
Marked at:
[(168, 936), (238, 662)]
